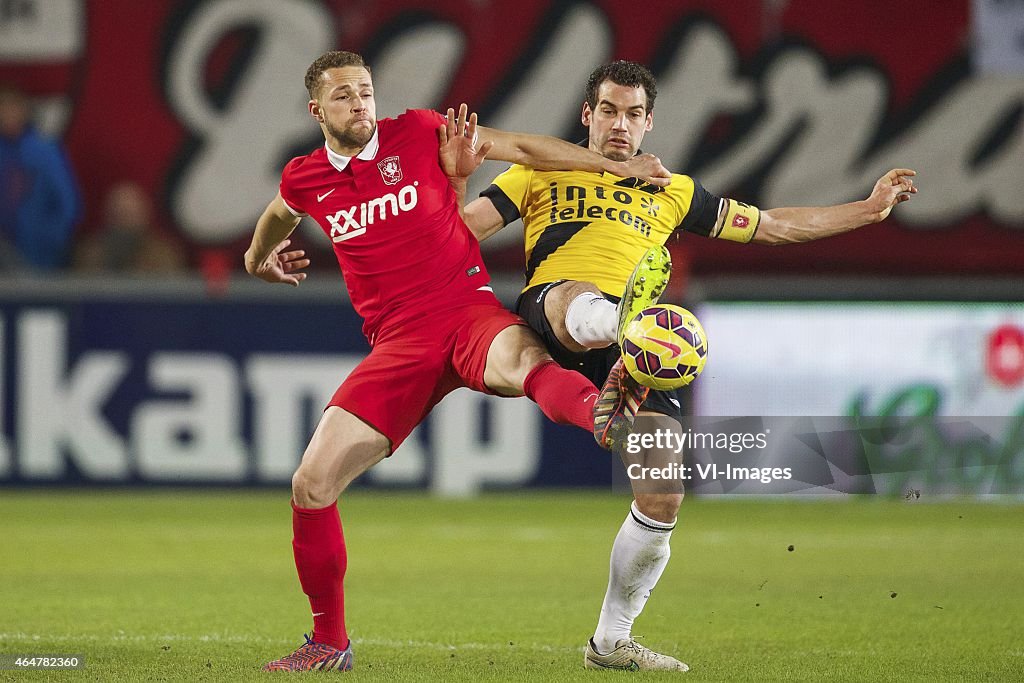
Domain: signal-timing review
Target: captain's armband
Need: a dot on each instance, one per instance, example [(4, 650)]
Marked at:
[(737, 222)]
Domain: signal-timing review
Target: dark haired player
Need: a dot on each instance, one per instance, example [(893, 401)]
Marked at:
[(592, 237), (415, 275)]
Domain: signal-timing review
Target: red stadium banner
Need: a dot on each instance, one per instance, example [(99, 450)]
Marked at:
[(774, 103)]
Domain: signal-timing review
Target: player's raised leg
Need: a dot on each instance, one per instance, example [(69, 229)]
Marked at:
[(518, 364), (498, 353), (582, 318), (639, 556), (594, 326), (342, 448)]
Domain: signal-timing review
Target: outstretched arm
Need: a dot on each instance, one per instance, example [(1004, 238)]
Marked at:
[(265, 257), (542, 152), (546, 153), (465, 145), (803, 224)]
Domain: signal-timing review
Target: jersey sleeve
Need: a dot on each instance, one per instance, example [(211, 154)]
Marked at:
[(510, 191), (702, 215), (287, 189), (727, 219)]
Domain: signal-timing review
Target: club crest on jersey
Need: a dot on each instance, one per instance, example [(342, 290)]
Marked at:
[(390, 170)]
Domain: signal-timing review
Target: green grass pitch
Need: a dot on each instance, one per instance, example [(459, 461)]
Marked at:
[(187, 585)]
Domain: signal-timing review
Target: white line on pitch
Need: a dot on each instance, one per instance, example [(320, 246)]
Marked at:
[(235, 638)]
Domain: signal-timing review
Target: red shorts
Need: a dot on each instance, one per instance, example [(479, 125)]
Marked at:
[(411, 368)]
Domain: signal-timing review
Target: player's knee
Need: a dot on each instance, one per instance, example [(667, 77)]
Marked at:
[(661, 507), (557, 307), (558, 299), (511, 358), (310, 491), (522, 362), (530, 357)]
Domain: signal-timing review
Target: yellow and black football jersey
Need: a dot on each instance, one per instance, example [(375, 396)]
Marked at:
[(595, 227)]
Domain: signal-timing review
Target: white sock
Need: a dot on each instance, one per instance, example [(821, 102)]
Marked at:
[(592, 321), (639, 556)]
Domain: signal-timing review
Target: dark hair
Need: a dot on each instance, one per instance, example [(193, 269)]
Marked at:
[(335, 59), (622, 73)]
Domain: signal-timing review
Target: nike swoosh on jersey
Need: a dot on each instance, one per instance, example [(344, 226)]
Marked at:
[(321, 197)]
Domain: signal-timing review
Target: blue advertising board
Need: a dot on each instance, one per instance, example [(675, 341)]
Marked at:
[(224, 391)]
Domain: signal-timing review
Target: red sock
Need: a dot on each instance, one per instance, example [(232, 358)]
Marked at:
[(321, 560), (566, 397)]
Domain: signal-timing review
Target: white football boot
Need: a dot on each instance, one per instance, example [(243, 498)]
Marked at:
[(630, 655)]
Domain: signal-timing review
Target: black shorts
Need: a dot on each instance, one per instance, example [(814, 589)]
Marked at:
[(594, 364)]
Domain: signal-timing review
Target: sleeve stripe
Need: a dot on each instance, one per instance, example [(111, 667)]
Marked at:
[(294, 212), (509, 211), (720, 218)]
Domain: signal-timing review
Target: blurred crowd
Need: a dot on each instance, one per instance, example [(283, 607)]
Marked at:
[(42, 230), (41, 208)]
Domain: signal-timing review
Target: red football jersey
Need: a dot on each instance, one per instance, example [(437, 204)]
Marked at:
[(393, 219)]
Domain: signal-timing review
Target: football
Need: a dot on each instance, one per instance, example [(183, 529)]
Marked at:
[(664, 347)]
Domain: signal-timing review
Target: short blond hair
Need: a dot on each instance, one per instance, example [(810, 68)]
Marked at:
[(335, 59)]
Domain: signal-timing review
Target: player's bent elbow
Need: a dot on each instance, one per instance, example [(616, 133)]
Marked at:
[(251, 266)]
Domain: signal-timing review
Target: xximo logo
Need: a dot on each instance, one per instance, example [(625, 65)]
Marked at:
[(352, 222)]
